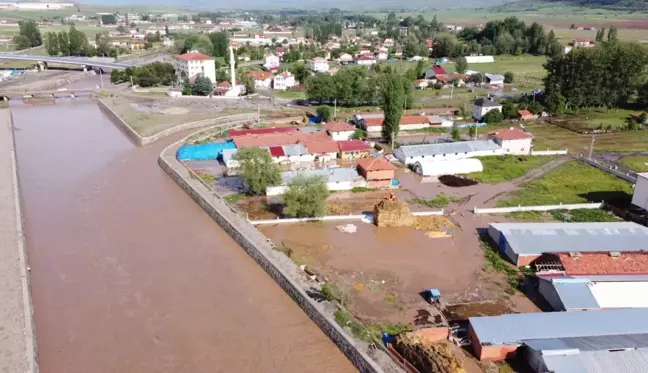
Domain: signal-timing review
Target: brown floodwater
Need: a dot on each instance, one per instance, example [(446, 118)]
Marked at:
[(129, 274)]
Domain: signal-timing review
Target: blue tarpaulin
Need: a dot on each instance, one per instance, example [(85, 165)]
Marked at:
[(201, 152)]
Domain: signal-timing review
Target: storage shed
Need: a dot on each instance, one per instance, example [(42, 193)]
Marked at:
[(345, 178), (410, 154), (452, 167)]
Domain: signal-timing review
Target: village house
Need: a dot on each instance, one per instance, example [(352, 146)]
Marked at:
[(481, 106), (342, 178), (345, 59), (355, 149), (410, 154), (319, 65), (365, 60), (421, 84), (513, 141), (271, 62), (261, 79), (323, 151), (526, 115), (494, 79), (339, 131), (378, 172), (382, 54), (435, 72), (283, 81), (193, 64)]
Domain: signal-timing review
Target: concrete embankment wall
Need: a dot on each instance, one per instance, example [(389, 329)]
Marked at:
[(18, 352), (277, 265)]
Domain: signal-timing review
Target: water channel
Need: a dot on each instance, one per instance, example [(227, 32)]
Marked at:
[(130, 275)]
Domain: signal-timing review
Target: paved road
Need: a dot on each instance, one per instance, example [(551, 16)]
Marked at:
[(67, 60)]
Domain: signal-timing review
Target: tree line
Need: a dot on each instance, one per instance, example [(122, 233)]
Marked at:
[(607, 76), (72, 43), (153, 74)]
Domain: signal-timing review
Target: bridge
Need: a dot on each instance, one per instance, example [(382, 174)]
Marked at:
[(6, 95), (81, 61)]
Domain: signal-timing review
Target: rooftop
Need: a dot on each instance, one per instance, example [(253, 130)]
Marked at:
[(484, 102), (539, 238), (339, 127), (319, 147), (511, 134), (278, 139), (439, 70), (584, 294), (604, 264), (375, 164), (447, 148), (516, 328), (354, 145), (194, 56), (332, 175), (260, 131), (260, 75)]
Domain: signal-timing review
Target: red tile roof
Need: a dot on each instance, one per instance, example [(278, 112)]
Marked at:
[(525, 113), (365, 58), (276, 151), (438, 70), (354, 146), (511, 135), (319, 147), (260, 131), (193, 56), (338, 127), (375, 164), (260, 75), (604, 264), (278, 139), (414, 119), (374, 122)]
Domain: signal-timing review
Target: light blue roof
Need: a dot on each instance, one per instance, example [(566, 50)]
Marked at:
[(575, 295), (331, 175), (515, 328), (539, 238)]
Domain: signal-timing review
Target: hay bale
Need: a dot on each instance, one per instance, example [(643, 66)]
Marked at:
[(389, 213), (427, 356)]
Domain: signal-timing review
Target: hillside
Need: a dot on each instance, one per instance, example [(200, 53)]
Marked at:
[(608, 4)]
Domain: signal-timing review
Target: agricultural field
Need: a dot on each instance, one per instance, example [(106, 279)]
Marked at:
[(553, 137), (498, 168), (637, 163)]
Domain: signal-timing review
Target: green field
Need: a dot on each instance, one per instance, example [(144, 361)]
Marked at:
[(635, 162), (498, 169), (524, 67), (573, 182), (288, 94), (553, 137)]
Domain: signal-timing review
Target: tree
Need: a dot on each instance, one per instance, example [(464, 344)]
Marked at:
[(508, 77), (324, 112), (121, 29), (132, 25), (393, 103), (472, 131), (493, 117), (445, 45), (220, 43), (461, 65), (257, 169), (359, 134), (509, 110), (456, 135), (203, 86), (643, 118), (51, 44), (612, 34), (249, 84), (600, 35), (187, 87), (301, 72), (465, 109), (64, 43), (108, 19), (29, 35), (476, 78), (306, 197), (117, 76), (21, 41), (78, 42)]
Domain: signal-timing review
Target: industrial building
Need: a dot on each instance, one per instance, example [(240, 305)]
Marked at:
[(410, 154), (501, 337), (523, 243), (452, 167)]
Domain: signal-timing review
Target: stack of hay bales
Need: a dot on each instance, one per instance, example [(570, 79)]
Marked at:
[(392, 213), (428, 356)]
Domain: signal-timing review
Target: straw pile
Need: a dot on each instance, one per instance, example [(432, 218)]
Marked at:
[(393, 214), (427, 356)]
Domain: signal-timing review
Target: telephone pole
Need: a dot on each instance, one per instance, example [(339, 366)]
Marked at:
[(591, 149)]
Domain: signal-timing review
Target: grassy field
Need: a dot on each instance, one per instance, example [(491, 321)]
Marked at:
[(635, 163), (573, 182), (498, 169), (597, 118), (553, 137), (525, 66), (289, 94)]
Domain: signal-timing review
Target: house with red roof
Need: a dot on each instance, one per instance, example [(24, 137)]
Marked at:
[(339, 131), (279, 139), (378, 172), (325, 151), (373, 123), (365, 60), (261, 79), (513, 141), (193, 64), (355, 149), (434, 72), (526, 115)]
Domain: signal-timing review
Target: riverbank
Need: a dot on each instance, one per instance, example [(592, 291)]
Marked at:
[(17, 335)]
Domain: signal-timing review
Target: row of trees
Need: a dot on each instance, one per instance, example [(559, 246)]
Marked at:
[(29, 35), (72, 43), (604, 76), (214, 44), (153, 74)]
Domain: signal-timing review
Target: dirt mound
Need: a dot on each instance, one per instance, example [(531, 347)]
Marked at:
[(426, 356), (456, 181), (390, 213)]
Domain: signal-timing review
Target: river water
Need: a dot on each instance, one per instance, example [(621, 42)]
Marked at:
[(129, 274)]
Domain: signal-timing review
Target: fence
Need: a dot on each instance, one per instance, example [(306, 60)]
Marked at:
[(367, 216), (549, 152), (630, 177), (573, 206)]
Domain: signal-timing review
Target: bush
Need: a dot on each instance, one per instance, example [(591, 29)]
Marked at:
[(508, 77), (438, 86), (306, 197), (324, 112), (493, 117), (258, 170)]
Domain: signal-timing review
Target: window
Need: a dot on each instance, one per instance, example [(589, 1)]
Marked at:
[(521, 149)]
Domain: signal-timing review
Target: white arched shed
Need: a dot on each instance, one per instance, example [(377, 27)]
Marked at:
[(453, 167)]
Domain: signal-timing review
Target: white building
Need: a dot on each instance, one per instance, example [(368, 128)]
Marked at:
[(39, 6), (365, 60), (410, 154), (195, 63), (319, 65), (271, 62), (284, 81), (481, 106), (513, 141), (640, 195), (345, 58), (494, 79), (340, 131), (480, 59), (452, 167), (342, 178), (261, 79)]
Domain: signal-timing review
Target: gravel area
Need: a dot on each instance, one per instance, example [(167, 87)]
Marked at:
[(16, 330)]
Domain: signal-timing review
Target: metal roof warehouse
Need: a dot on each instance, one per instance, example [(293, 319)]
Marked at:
[(524, 242), (410, 154)]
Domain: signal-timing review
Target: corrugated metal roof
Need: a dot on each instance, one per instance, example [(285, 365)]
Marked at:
[(228, 154), (515, 328), (332, 175), (539, 238), (575, 295), (632, 361), (596, 343), (447, 148), (297, 149)]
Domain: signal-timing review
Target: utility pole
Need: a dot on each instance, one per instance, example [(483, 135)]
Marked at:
[(334, 107), (101, 77), (393, 134), (258, 110), (452, 91), (131, 80), (591, 150)]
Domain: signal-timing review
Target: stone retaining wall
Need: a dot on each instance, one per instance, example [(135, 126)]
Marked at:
[(277, 265)]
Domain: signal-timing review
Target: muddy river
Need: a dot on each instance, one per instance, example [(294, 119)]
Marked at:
[(130, 275)]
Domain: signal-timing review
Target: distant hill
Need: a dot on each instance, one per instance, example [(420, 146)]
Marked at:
[(610, 4)]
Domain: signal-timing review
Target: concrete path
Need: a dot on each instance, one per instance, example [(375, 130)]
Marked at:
[(17, 346)]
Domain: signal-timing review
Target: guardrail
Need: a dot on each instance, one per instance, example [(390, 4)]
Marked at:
[(573, 206)]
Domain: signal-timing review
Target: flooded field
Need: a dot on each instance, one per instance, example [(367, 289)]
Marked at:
[(129, 275)]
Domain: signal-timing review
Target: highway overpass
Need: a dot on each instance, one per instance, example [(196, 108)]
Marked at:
[(80, 61)]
